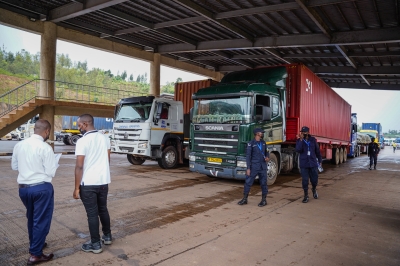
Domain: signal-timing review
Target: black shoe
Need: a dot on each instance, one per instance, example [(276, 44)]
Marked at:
[(92, 247), (374, 167), (263, 201), (370, 168), (314, 193), (107, 239), (244, 200), (39, 259), (305, 200)]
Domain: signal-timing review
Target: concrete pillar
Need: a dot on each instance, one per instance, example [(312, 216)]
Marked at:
[(155, 75), (48, 114), (48, 47)]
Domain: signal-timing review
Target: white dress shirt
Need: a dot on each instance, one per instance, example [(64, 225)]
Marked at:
[(96, 167), (35, 161)]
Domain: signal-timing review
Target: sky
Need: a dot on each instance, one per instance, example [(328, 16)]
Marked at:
[(371, 106)]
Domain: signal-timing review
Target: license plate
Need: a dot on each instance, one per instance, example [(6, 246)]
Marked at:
[(214, 160)]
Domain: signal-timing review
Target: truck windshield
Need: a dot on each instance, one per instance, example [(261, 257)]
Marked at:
[(229, 110), (133, 112)]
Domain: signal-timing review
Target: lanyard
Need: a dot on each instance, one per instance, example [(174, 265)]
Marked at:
[(260, 147), (93, 131), (308, 144)]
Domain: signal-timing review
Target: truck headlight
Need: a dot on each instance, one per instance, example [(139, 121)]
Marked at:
[(192, 158), (241, 164), (142, 145)]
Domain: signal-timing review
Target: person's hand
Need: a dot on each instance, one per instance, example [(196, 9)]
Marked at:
[(267, 159), (75, 195), (248, 172), (300, 136)]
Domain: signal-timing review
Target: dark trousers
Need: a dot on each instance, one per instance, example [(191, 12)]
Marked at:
[(39, 203), (394, 149), (309, 173), (94, 198), (373, 159), (250, 180)]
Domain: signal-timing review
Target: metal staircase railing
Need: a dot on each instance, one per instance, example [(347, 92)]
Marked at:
[(64, 91)]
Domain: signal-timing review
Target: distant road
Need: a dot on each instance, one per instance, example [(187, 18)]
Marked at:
[(8, 146)]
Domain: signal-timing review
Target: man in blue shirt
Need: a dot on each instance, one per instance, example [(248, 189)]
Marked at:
[(256, 160), (310, 157)]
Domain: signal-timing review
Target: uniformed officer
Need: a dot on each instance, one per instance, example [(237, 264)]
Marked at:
[(257, 157), (373, 151), (310, 157)]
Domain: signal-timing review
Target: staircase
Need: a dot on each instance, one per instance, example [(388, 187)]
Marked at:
[(22, 103)]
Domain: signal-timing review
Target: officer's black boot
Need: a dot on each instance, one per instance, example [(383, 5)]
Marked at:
[(244, 200), (305, 200), (374, 166), (314, 192), (263, 201)]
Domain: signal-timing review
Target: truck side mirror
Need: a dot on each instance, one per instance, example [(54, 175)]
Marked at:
[(158, 113), (266, 113)]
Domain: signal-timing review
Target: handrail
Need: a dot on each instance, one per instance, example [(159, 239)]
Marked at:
[(64, 91)]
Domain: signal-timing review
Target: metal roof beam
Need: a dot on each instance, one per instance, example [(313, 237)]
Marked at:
[(145, 25), (257, 10), (374, 54), (217, 57), (375, 86), (386, 35), (211, 16), (364, 70), (315, 55), (353, 63), (178, 22), (313, 3), (314, 17), (75, 9), (356, 77), (231, 68)]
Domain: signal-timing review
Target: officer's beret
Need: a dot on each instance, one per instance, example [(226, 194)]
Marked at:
[(256, 130), (304, 129)]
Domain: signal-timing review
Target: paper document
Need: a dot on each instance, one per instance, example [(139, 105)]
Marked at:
[(57, 157)]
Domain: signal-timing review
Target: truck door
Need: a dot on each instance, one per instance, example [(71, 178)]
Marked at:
[(161, 123)]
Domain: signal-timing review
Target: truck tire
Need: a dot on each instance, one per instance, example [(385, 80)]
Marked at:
[(273, 170), (159, 161), (169, 158), (344, 155), (341, 155), (135, 160), (74, 139), (66, 140), (335, 156)]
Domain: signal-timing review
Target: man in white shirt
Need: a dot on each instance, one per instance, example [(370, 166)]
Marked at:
[(35, 161), (92, 176)]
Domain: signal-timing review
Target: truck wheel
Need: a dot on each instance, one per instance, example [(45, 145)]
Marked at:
[(169, 158), (74, 139), (344, 155), (135, 160), (335, 156), (341, 155), (65, 140), (272, 173), (159, 161)]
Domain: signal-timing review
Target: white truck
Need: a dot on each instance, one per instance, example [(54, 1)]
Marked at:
[(26, 129), (150, 128)]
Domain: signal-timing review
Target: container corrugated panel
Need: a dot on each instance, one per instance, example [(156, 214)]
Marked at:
[(70, 122), (184, 91), (372, 126), (316, 105)]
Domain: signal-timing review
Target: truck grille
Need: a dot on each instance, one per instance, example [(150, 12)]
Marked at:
[(216, 143)]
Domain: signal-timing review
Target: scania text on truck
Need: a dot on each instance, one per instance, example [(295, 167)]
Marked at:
[(155, 128), (280, 100)]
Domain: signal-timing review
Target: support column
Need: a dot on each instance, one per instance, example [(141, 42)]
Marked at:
[(48, 114), (155, 75), (48, 47)]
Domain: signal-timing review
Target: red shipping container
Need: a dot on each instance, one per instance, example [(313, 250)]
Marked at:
[(312, 103), (184, 91)]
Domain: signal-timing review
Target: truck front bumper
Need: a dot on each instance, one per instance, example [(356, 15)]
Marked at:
[(218, 171), (135, 148)]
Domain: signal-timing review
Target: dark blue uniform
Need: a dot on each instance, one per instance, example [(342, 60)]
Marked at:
[(373, 151), (256, 153), (309, 156)]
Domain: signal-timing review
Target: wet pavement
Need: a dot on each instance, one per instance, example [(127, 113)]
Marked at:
[(175, 217)]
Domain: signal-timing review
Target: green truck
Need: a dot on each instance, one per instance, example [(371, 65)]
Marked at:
[(280, 100)]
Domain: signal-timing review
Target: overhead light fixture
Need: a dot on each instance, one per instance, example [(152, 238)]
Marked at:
[(32, 19), (148, 49), (210, 67)]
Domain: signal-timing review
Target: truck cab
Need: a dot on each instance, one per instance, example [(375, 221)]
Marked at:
[(149, 128)]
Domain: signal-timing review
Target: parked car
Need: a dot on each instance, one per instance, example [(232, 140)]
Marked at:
[(7, 136)]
